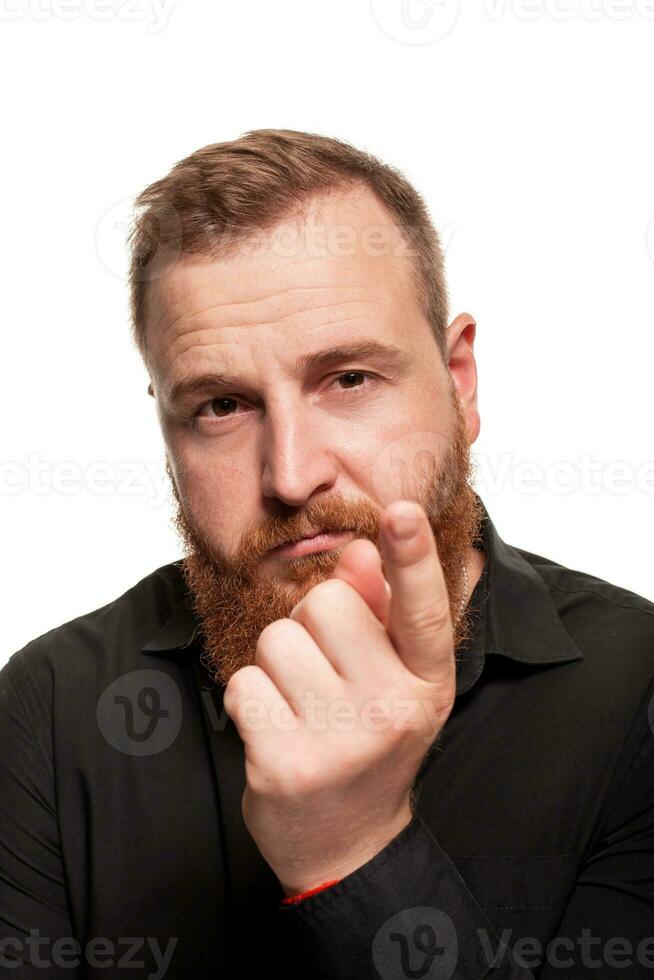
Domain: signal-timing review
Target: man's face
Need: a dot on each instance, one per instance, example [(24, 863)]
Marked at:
[(290, 443)]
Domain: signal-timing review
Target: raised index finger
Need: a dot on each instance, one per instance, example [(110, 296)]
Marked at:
[(419, 624)]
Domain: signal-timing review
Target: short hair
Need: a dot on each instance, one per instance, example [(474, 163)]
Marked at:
[(230, 191)]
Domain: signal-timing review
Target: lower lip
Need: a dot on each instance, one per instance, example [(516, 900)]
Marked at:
[(321, 542)]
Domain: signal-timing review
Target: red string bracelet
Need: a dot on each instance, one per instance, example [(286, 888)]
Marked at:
[(290, 899)]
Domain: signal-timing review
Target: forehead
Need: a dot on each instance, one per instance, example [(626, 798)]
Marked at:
[(338, 263)]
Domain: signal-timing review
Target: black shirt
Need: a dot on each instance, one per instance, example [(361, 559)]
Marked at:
[(123, 852)]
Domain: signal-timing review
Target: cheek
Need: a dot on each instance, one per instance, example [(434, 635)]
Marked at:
[(219, 497), (408, 459)]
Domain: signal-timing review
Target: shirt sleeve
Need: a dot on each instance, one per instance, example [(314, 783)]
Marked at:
[(36, 938), (608, 925), (392, 916), (408, 912)]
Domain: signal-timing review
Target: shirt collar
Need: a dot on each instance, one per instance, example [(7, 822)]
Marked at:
[(513, 615), (179, 630)]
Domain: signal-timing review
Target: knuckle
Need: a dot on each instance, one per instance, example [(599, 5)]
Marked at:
[(275, 641), (331, 592), (430, 621), (239, 684), (280, 629)]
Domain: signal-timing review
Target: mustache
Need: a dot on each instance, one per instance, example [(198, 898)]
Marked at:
[(333, 516)]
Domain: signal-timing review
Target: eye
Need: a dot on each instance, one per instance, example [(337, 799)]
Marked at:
[(355, 374), (216, 405), (223, 402)]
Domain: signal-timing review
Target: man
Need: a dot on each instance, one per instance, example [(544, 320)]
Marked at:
[(316, 745)]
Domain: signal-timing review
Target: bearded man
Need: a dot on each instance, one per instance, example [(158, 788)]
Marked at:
[(352, 732)]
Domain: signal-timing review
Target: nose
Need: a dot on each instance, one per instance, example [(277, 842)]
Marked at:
[(299, 457)]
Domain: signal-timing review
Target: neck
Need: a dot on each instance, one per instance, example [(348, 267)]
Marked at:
[(476, 562)]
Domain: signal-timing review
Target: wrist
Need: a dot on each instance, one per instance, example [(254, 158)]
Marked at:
[(316, 881)]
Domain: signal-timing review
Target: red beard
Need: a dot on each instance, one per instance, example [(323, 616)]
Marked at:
[(234, 603)]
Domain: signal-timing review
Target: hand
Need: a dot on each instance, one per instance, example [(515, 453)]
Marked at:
[(344, 699)]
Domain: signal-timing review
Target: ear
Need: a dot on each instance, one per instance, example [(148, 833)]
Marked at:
[(463, 368)]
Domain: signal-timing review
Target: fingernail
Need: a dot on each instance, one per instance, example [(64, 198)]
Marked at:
[(405, 519)]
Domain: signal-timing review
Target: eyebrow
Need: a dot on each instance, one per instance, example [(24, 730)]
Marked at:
[(374, 350)]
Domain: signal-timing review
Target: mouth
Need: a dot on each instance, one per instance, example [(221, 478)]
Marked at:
[(316, 542)]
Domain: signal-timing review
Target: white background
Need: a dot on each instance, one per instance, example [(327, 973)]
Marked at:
[(528, 128)]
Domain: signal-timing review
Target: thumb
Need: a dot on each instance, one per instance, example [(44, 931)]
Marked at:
[(419, 623)]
